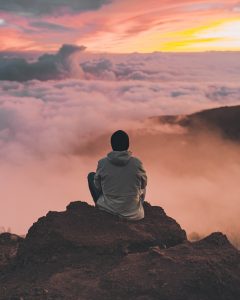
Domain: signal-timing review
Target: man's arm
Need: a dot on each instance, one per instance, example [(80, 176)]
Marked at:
[(142, 174), (97, 177)]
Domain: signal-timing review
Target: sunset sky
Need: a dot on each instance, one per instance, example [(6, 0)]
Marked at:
[(120, 25)]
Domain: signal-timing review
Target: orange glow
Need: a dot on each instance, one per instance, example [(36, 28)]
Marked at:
[(129, 26), (12, 41), (220, 35)]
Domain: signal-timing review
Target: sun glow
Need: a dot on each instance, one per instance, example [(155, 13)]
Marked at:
[(219, 35), (227, 30)]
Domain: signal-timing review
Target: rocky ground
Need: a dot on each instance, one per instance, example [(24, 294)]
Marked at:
[(85, 253), (9, 244)]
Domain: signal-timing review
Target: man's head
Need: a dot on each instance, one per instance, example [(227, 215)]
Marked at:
[(120, 141)]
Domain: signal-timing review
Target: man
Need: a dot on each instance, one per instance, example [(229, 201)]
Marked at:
[(119, 184)]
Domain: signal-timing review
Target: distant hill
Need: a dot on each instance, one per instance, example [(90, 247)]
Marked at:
[(225, 120)]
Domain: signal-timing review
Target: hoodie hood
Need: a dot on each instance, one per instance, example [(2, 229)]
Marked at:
[(119, 158)]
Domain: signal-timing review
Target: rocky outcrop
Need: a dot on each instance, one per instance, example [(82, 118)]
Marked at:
[(208, 269), (9, 244), (83, 227), (84, 253)]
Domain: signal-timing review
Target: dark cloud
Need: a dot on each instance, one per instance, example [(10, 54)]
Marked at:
[(102, 68), (97, 66), (50, 26), (167, 68), (46, 7), (47, 67)]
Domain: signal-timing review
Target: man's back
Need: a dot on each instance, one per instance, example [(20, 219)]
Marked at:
[(122, 179)]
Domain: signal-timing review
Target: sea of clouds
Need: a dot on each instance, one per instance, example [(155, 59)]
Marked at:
[(58, 111)]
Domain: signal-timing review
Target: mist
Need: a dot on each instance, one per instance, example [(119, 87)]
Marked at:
[(194, 178)]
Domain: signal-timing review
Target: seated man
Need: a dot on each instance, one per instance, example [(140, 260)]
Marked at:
[(119, 184)]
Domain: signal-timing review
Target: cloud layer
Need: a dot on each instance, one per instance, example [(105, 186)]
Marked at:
[(72, 62), (53, 132)]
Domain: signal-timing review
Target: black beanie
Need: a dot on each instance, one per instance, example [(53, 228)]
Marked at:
[(119, 141)]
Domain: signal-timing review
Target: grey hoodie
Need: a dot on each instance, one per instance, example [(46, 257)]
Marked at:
[(122, 178)]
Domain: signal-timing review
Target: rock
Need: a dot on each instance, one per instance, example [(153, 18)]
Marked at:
[(83, 227), (208, 269), (87, 254), (216, 239), (9, 244)]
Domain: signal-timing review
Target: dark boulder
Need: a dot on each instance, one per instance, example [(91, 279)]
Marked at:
[(83, 227)]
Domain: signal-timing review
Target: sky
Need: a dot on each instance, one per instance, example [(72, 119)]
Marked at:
[(120, 26)]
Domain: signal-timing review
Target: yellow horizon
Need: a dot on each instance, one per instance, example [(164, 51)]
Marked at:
[(220, 35)]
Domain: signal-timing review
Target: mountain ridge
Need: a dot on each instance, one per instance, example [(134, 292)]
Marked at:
[(224, 120)]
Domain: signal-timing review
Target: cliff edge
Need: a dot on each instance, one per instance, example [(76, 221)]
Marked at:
[(85, 253)]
